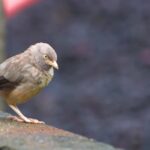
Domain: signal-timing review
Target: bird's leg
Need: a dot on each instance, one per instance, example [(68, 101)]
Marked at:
[(22, 117), (18, 112)]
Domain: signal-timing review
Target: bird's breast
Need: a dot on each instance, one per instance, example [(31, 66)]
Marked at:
[(46, 77), (51, 72)]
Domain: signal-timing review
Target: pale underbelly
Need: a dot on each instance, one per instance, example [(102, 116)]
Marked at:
[(21, 95), (25, 91)]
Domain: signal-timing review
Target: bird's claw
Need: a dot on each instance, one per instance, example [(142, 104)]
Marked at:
[(27, 120), (31, 120), (15, 118)]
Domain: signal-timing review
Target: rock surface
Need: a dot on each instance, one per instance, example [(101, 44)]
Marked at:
[(22, 136)]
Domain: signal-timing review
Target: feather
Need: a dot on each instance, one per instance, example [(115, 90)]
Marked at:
[(5, 83)]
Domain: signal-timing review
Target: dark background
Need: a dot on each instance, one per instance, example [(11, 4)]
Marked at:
[(102, 89)]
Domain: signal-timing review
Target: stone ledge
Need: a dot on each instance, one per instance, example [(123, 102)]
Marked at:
[(22, 136)]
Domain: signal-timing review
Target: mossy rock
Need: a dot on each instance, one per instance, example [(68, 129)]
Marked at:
[(23, 136)]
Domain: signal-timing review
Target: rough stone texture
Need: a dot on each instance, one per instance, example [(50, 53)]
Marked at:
[(102, 89), (22, 136)]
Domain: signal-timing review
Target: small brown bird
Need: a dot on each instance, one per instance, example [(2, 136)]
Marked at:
[(26, 74)]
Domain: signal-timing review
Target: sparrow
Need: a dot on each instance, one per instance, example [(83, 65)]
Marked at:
[(25, 75)]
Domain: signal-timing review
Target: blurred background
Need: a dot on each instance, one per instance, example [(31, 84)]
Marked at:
[(102, 89)]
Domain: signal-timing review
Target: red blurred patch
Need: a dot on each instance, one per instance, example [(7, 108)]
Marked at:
[(12, 7), (145, 56)]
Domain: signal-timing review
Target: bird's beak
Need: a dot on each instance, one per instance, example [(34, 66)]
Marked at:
[(54, 64)]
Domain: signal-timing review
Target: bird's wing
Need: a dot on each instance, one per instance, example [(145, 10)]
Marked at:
[(4, 83), (10, 74)]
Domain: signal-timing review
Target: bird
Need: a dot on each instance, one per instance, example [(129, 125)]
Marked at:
[(24, 75)]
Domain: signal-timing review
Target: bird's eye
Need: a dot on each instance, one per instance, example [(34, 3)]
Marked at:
[(45, 56)]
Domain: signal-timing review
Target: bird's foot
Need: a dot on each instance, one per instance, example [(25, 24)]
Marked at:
[(26, 120), (31, 120), (15, 118)]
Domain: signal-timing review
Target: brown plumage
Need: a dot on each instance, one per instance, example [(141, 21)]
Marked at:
[(24, 75)]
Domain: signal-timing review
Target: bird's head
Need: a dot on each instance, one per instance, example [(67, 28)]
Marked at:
[(44, 55)]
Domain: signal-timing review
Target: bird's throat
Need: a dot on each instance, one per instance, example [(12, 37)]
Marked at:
[(51, 71)]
